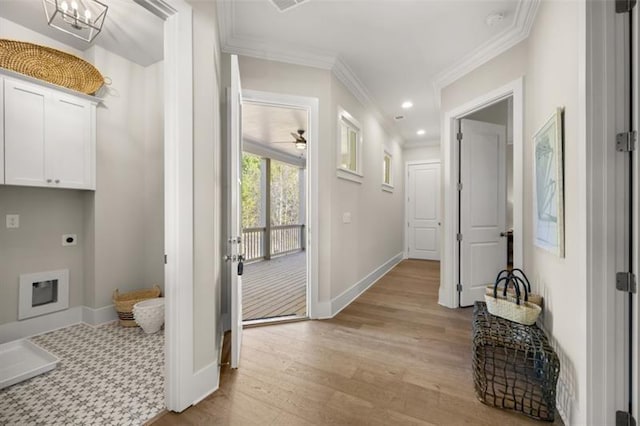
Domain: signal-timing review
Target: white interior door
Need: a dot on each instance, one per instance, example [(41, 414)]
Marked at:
[(235, 206), (423, 211), (483, 248)]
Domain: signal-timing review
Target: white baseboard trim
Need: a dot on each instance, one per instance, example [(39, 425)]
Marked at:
[(322, 310), (49, 322), (343, 300), (38, 325), (99, 316)]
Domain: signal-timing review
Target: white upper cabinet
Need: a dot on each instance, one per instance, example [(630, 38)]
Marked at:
[(24, 106), (49, 137)]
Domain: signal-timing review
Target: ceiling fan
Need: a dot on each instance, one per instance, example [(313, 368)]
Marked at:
[(299, 140)]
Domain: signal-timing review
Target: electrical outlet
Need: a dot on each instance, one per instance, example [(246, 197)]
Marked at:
[(69, 240), (13, 221), (346, 217)]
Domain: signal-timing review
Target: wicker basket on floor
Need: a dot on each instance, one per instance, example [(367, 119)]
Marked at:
[(124, 303)]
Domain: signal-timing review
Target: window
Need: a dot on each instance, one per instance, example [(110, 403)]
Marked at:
[(387, 171), (349, 147)]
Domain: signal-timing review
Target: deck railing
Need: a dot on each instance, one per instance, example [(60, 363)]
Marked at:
[(283, 239)]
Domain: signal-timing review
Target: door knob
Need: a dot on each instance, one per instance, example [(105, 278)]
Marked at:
[(504, 234)]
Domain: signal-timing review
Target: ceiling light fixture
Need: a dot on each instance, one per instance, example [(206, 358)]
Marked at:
[(407, 104), (82, 19), (301, 145), (420, 132)]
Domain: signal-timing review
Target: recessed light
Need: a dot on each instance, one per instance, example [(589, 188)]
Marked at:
[(494, 19), (420, 132), (407, 104)]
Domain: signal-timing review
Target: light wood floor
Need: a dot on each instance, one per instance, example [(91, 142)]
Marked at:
[(275, 288), (393, 357)]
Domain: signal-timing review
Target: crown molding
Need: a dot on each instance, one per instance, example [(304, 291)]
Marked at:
[(351, 81), (518, 31)]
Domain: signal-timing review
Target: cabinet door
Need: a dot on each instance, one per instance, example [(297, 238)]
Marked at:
[(68, 144), (24, 133)]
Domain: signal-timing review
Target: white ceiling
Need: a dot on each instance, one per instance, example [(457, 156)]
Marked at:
[(270, 125), (129, 30), (391, 50)]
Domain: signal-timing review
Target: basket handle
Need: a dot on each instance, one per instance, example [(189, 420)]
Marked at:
[(523, 276), (506, 285), (504, 272), (516, 283)]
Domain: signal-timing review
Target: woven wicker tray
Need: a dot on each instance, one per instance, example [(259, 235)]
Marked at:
[(50, 65)]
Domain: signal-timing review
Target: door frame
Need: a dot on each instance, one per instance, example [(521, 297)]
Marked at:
[(449, 260), (181, 390), (406, 201), (311, 105)]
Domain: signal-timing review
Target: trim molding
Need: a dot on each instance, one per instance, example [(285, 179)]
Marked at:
[(61, 319), (256, 48), (518, 31), (100, 315), (349, 295)]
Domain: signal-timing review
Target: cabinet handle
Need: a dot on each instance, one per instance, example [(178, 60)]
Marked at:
[(48, 180), (57, 180)]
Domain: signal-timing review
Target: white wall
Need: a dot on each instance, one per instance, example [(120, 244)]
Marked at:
[(420, 153), (45, 215), (348, 252), (375, 234), (549, 62), (120, 225)]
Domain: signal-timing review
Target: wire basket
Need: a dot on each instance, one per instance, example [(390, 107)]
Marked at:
[(50, 65), (124, 303), (514, 367)]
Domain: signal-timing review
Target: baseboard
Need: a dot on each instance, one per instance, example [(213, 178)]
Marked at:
[(49, 322), (343, 300), (42, 324), (99, 316), (322, 310)]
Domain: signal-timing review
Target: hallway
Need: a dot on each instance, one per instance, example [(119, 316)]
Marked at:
[(392, 357)]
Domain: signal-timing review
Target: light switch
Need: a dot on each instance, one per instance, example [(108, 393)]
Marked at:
[(346, 217), (13, 221)]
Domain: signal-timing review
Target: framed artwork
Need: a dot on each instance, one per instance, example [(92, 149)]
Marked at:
[(548, 182)]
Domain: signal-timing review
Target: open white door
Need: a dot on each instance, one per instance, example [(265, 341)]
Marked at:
[(483, 245), (423, 211), (235, 259)]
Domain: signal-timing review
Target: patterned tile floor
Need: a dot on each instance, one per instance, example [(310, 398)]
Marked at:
[(107, 375)]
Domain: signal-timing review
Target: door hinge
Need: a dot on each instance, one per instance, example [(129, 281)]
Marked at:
[(623, 418), (624, 6), (459, 186), (459, 136), (408, 224), (459, 237), (626, 281), (459, 287), (165, 259), (626, 142)]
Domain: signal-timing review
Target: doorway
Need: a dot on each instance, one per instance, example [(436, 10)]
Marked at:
[(423, 210), (482, 165), (273, 205)]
